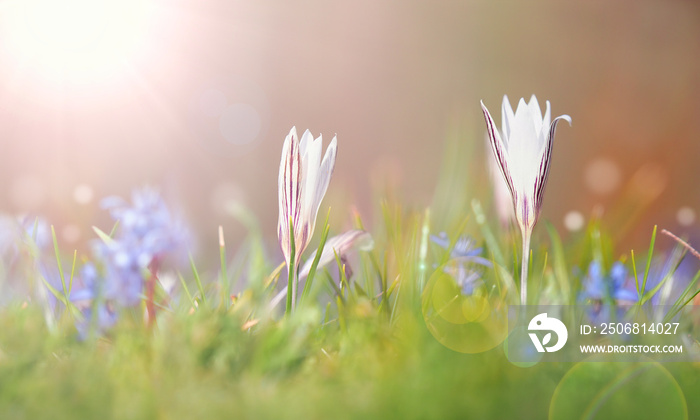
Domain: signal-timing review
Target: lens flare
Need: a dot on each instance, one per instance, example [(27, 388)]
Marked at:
[(76, 40)]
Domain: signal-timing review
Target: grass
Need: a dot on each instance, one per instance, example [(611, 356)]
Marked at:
[(354, 347)]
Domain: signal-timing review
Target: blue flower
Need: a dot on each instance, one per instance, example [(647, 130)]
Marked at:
[(146, 223), (607, 292), (23, 232), (146, 234), (37, 231), (615, 286), (105, 319), (463, 250), (463, 258), (88, 299), (124, 265)]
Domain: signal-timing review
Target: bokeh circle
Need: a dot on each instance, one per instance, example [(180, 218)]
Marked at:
[(612, 390), (465, 323)]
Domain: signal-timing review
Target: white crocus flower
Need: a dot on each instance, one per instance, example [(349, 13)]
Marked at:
[(303, 181), (523, 150)]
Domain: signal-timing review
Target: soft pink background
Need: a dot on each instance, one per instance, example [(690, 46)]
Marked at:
[(390, 78)]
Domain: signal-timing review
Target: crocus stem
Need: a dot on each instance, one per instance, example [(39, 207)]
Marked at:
[(292, 271), (526, 262), (291, 288)]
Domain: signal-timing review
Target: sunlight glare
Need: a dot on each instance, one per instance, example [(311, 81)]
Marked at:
[(76, 39)]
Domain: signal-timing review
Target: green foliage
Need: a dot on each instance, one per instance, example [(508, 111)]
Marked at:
[(356, 346)]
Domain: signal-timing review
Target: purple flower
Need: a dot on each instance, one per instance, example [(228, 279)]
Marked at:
[(616, 285), (89, 299), (124, 266), (146, 224), (36, 231), (463, 250), (614, 291), (463, 259), (146, 234)]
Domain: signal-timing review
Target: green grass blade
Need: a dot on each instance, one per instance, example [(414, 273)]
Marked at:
[(670, 316), (195, 273), (58, 261), (72, 271), (650, 254), (186, 289), (648, 295), (341, 270), (58, 295), (682, 301), (270, 281), (397, 284), (559, 262), (690, 287), (423, 250), (114, 229), (636, 277), (491, 241), (225, 286), (317, 258), (105, 238)]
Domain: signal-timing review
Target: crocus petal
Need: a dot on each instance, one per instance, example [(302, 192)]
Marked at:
[(339, 245), (523, 152), (546, 120), (306, 140), (321, 183), (553, 126), (507, 116), (312, 172), (290, 190), (500, 152), (535, 113), (311, 151), (545, 161), (303, 180), (502, 198)]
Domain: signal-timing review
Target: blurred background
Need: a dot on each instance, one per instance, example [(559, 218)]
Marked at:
[(196, 98)]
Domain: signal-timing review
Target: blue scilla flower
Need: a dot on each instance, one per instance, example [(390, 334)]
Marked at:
[(36, 231), (466, 278), (464, 259), (607, 292), (147, 233), (615, 286), (122, 276), (97, 311), (104, 318), (463, 250), (124, 265), (146, 223), (90, 282), (23, 233)]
